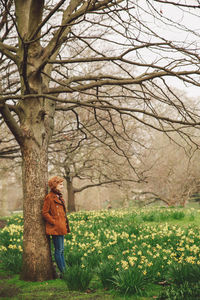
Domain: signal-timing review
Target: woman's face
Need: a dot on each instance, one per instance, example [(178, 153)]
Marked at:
[(60, 186)]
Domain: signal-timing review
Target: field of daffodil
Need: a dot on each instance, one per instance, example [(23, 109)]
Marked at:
[(126, 249)]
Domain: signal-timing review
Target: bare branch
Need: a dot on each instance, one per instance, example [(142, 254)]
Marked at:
[(78, 190), (11, 123), (7, 50)]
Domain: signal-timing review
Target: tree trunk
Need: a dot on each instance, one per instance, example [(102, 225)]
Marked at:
[(33, 135), (36, 125), (71, 196), (3, 201), (37, 262)]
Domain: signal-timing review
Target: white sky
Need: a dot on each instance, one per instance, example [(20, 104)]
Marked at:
[(170, 32)]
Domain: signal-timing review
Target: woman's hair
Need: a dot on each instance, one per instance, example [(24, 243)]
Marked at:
[(54, 181)]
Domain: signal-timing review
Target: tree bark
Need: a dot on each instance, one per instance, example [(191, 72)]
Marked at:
[(37, 262), (33, 135), (36, 126), (71, 196), (3, 202), (35, 131)]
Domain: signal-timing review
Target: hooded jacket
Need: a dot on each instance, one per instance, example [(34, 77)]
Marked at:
[(54, 213)]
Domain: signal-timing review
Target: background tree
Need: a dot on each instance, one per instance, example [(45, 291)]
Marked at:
[(91, 153), (9, 149), (10, 174), (38, 71), (173, 166)]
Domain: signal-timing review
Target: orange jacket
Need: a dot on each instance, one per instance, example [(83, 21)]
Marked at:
[(54, 213)]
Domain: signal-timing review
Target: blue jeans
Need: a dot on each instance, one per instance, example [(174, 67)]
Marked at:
[(58, 241)]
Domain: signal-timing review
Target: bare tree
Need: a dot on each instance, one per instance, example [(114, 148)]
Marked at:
[(9, 149), (173, 168), (39, 74), (87, 152)]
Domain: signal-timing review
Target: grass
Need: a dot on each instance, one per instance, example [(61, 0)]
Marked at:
[(11, 287)]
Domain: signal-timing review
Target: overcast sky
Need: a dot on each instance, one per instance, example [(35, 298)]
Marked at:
[(184, 24)]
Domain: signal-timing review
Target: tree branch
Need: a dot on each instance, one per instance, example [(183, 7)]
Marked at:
[(70, 16), (7, 51), (178, 4), (124, 81), (52, 12), (11, 123), (104, 58), (101, 106), (78, 190)]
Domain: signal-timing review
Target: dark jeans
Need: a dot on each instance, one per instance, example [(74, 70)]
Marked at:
[(58, 241)]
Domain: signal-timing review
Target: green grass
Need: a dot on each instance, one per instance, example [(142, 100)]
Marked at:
[(11, 287), (126, 239)]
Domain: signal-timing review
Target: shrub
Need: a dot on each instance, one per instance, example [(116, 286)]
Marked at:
[(74, 258), (178, 215), (11, 260), (11, 246), (77, 277), (186, 291), (130, 281), (185, 272), (78, 274), (106, 271)]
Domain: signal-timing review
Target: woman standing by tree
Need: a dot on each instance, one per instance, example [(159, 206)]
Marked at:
[(57, 225)]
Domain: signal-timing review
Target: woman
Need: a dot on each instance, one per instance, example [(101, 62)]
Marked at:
[(57, 225)]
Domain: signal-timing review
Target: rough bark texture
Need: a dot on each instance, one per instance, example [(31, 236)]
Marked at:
[(36, 124), (37, 128), (37, 264), (71, 196), (3, 202)]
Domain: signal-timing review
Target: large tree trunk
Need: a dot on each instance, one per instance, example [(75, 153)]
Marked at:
[(33, 135), (3, 201), (71, 196), (36, 124), (37, 128), (37, 263)]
